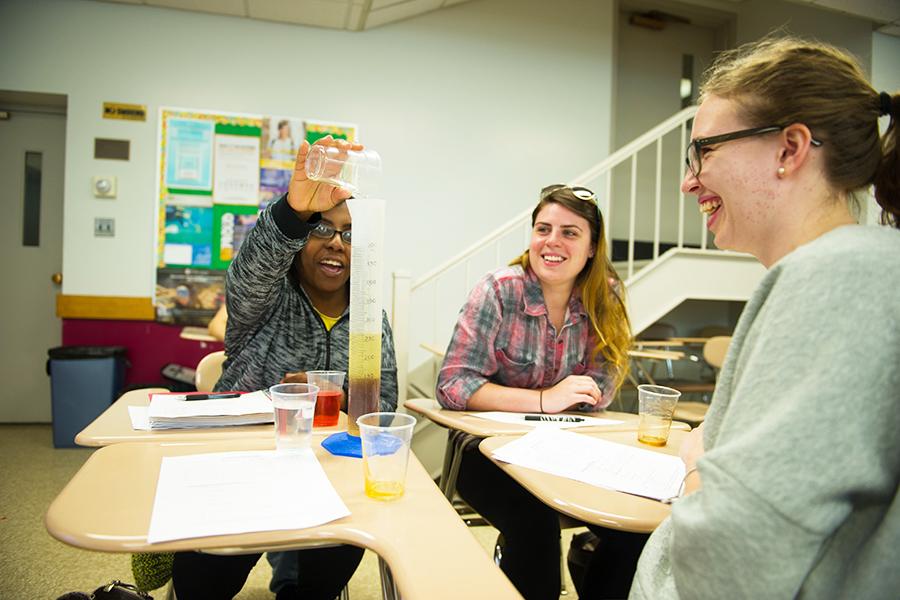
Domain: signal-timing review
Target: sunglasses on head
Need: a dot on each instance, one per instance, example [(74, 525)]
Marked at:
[(579, 192)]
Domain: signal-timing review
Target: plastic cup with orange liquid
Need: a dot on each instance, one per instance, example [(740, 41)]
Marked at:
[(656, 407)]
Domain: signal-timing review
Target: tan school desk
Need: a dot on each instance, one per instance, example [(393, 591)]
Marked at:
[(424, 550)]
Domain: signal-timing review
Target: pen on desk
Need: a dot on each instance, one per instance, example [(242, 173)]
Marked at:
[(210, 396), (551, 418)]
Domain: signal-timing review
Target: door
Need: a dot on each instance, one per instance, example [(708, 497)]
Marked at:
[(31, 246), (651, 68)]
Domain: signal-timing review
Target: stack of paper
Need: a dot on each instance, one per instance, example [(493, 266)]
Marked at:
[(172, 411), (597, 462)]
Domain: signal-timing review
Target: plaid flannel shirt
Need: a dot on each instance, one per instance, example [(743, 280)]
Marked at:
[(504, 336)]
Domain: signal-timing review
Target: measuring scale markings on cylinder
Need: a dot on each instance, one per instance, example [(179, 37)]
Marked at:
[(365, 309)]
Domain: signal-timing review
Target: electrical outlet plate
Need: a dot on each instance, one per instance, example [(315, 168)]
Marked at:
[(104, 186), (104, 227)]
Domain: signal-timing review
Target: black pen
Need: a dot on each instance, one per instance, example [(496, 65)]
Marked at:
[(550, 418), (211, 396)]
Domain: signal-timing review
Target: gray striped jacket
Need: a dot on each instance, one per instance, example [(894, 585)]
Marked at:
[(273, 328)]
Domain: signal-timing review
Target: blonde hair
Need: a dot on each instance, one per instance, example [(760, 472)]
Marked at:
[(602, 299), (781, 80)]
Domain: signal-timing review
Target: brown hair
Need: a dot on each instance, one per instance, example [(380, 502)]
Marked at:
[(784, 80), (599, 285)]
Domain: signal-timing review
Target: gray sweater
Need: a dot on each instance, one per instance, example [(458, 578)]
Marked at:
[(799, 492), (273, 328)]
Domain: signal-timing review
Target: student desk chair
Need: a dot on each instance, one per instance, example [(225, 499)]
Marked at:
[(587, 503), (424, 550), (113, 426)]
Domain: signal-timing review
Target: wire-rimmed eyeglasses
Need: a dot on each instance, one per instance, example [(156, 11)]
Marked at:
[(324, 231), (579, 192), (694, 157)]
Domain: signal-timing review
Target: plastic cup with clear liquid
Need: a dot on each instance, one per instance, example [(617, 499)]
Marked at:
[(356, 170)]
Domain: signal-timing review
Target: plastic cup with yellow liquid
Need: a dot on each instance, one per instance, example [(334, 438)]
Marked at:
[(656, 407), (385, 447)]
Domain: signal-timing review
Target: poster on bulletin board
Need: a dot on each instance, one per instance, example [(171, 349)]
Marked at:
[(217, 172)]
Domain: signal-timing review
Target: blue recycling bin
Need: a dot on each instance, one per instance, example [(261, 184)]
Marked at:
[(84, 381)]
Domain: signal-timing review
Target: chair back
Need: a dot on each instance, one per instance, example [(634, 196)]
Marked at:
[(715, 349), (209, 369)]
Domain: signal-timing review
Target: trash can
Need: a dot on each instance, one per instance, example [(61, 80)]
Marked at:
[(83, 383)]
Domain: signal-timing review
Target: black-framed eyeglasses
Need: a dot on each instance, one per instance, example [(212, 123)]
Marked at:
[(694, 157), (324, 231), (579, 192)]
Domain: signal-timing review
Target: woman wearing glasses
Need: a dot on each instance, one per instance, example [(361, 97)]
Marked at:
[(547, 334), (792, 483), (288, 296)]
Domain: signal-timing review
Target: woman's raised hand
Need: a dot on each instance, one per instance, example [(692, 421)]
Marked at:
[(572, 390), (308, 196)]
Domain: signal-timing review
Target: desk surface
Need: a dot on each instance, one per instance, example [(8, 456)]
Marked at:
[(199, 334), (114, 426), (420, 536), (470, 423), (588, 503)]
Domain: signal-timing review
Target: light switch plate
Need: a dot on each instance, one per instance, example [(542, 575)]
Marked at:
[(104, 186), (104, 227)]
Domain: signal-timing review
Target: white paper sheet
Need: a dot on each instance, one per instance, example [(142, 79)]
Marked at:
[(240, 492), (597, 462), (519, 419), (139, 419)]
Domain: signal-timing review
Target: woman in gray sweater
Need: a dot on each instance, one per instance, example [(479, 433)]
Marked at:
[(792, 483)]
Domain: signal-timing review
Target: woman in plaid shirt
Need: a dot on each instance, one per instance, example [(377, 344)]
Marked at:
[(547, 334)]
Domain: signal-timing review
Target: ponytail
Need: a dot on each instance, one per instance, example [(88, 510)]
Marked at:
[(887, 176)]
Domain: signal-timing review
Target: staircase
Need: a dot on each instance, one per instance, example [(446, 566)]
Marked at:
[(633, 181)]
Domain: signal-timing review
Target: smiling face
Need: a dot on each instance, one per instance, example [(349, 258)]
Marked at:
[(560, 245), (323, 266), (737, 184)]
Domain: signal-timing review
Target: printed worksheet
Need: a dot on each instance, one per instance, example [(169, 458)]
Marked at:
[(241, 492), (597, 462)]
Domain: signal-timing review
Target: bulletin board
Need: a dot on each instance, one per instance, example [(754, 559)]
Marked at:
[(217, 171)]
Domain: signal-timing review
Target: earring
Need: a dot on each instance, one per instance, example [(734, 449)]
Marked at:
[(781, 171)]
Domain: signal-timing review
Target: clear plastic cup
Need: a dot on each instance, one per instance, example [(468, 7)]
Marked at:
[(330, 397), (355, 170), (295, 405), (385, 447), (656, 407)]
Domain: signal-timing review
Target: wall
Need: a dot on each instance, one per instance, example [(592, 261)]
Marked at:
[(756, 18), (472, 108)]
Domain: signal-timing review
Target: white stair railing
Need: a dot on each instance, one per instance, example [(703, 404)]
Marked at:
[(421, 318)]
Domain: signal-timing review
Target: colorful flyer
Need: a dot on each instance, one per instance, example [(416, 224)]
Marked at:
[(189, 147), (188, 236), (273, 183), (281, 139), (319, 129), (187, 296), (236, 170), (231, 224)]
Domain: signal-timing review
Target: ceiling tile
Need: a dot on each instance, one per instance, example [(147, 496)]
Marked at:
[(319, 13), (221, 7), (892, 29), (398, 12), (883, 11)]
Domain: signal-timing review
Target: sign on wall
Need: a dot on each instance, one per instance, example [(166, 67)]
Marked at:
[(217, 171)]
